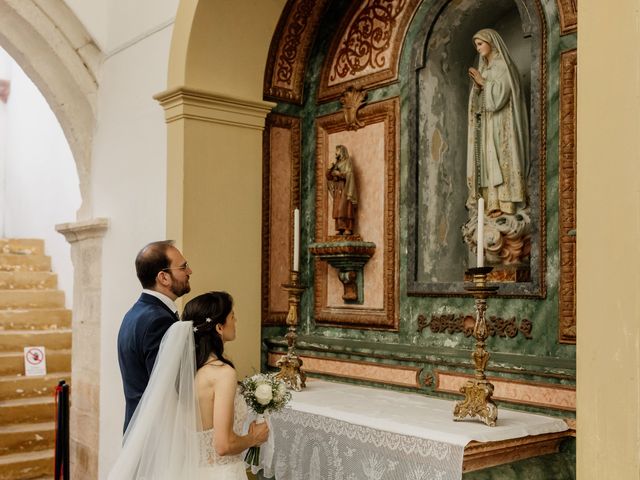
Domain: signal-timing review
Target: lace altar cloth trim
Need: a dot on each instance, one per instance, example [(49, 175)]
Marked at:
[(315, 447), (415, 415)]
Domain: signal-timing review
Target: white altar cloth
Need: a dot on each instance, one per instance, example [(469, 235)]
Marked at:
[(348, 432)]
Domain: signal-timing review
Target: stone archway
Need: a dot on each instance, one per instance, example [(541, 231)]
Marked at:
[(56, 52), (31, 31)]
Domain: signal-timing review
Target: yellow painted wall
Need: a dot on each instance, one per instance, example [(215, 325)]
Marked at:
[(222, 225), (215, 163), (227, 42), (608, 240)]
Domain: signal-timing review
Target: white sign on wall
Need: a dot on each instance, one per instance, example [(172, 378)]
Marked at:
[(35, 361)]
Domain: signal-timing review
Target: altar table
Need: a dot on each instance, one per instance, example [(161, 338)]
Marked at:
[(337, 431)]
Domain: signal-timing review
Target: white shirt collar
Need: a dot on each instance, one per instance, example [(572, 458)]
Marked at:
[(163, 298)]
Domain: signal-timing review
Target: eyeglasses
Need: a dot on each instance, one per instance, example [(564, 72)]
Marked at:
[(181, 267)]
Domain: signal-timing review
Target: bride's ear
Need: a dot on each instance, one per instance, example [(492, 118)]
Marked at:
[(219, 328)]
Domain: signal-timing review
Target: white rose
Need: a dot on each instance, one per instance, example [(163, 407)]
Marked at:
[(264, 394), (282, 390)]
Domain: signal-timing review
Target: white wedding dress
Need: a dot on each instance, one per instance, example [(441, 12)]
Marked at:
[(229, 467), (165, 439)]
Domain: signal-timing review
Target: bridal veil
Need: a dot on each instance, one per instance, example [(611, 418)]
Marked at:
[(161, 442)]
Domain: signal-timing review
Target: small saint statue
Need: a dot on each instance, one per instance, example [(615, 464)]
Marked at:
[(342, 187)]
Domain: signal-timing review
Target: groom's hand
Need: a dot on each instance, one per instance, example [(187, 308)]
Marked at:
[(259, 432)]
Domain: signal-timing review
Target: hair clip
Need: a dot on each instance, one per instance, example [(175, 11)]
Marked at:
[(195, 329), (208, 320)]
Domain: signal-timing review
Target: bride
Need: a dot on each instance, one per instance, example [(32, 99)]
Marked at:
[(189, 422)]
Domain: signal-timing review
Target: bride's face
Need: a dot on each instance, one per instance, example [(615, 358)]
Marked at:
[(228, 330)]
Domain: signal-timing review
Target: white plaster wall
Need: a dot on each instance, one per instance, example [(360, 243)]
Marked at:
[(113, 24), (128, 183), (40, 186)]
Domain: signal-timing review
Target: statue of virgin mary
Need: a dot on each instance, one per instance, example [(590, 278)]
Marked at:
[(498, 135)]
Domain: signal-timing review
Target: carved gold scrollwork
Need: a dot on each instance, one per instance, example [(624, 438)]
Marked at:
[(567, 206), (290, 49), (352, 99), (568, 10), (291, 41), (496, 326), (368, 38)]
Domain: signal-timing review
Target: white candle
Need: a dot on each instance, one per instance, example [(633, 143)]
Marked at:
[(480, 230), (296, 239)]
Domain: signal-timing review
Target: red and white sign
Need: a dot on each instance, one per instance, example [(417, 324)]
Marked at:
[(35, 361)]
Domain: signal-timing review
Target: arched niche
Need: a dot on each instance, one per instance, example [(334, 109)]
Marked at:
[(442, 53)]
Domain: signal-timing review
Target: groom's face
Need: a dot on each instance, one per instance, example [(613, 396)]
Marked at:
[(179, 271)]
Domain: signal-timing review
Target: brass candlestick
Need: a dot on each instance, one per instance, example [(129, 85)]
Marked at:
[(290, 372), (478, 391)]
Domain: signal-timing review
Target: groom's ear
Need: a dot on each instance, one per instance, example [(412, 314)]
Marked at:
[(163, 279)]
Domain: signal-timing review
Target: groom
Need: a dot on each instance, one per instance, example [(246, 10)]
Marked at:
[(164, 275)]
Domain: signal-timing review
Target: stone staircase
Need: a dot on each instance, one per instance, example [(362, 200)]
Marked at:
[(32, 313)]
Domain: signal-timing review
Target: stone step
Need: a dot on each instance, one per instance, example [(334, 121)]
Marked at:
[(26, 438), (22, 246), (26, 280), (14, 341), (10, 262), (15, 387), (27, 410), (35, 319), (21, 299), (13, 363), (23, 466)]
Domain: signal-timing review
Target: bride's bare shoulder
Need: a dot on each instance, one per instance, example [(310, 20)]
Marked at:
[(216, 373)]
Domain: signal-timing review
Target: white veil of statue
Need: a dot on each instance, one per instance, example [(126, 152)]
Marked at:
[(498, 134)]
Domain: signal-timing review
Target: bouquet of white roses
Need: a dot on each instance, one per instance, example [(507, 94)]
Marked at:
[(264, 394)]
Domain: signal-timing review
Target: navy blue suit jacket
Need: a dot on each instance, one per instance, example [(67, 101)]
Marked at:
[(139, 338)]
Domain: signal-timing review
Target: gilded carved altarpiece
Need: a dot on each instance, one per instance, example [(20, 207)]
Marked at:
[(375, 145)]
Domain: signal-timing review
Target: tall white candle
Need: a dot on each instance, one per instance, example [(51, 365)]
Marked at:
[(296, 239), (480, 230)]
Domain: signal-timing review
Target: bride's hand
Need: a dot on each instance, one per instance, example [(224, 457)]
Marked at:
[(259, 432)]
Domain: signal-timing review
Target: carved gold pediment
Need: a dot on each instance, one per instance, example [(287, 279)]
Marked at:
[(366, 53)]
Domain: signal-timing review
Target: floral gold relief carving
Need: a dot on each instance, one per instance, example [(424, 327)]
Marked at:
[(291, 43), (567, 207), (290, 49), (496, 326), (368, 39), (351, 100), (568, 10), (366, 53)]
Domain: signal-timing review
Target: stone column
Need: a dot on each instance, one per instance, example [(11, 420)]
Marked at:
[(86, 254)]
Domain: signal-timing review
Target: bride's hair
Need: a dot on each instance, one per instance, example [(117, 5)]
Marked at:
[(206, 311)]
